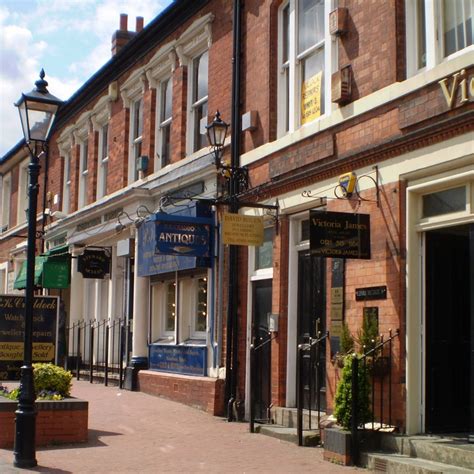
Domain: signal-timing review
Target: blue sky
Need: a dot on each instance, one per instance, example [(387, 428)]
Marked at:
[(70, 39)]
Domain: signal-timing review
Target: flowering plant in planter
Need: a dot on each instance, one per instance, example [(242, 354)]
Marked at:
[(51, 383)]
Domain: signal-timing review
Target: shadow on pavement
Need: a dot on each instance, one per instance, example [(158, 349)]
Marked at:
[(93, 442)]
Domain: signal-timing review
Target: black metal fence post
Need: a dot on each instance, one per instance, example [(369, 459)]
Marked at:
[(106, 355), (251, 389), (91, 352), (299, 394), (121, 341), (354, 418), (78, 351)]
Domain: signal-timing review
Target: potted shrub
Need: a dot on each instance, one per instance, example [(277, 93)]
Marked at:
[(346, 345)]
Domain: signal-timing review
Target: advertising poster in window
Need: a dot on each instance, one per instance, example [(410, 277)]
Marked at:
[(311, 98), (12, 330)]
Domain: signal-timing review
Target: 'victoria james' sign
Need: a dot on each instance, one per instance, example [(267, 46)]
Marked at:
[(94, 263), (12, 332), (339, 234), (457, 85)]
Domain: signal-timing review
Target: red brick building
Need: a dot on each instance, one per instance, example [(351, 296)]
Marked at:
[(382, 91)]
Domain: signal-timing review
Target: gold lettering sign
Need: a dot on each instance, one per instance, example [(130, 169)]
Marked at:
[(337, 295), (311, 98), (336, 312), (458, 83), (242, 230)]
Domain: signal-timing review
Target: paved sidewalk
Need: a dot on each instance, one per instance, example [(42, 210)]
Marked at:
[(138, 433)]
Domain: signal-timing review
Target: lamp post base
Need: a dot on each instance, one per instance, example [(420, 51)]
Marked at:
[(25, 422)]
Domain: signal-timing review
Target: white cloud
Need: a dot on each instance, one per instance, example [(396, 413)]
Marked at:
[(23, 52)]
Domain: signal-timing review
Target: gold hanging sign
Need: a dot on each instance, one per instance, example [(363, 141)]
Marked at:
[(238, 229)]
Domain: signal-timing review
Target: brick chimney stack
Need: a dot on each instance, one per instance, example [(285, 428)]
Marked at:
[(122, 36)]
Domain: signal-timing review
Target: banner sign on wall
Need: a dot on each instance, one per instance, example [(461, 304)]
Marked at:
[(188, 360), (12, 324), (339, 234)]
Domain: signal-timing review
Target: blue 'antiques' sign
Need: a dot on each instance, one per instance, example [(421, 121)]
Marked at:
[(187, 236), (187, 360), (12, 330), (149, 262)]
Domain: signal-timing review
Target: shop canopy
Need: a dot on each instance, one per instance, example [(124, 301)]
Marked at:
[(52, 270)]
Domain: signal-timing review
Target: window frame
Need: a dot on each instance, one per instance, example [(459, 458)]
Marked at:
[(103, 160), (23, 184), (136, 136), (66, 187), (195, 103), (290, 71), (434, 36), (83, 171), (6, 202), (164, 123)]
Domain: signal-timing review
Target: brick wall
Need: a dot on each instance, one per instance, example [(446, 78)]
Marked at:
[(204, 393), (61, 422)]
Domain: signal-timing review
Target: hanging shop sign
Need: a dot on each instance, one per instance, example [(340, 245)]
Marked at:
[(12, 325), (179, 235), (372, 293), (340, 234), (187, 360), (153, 246), (94, 263), (238, 229)]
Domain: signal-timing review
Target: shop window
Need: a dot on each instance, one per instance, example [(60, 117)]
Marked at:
[(84, 171), (103, 161), (165, 118), (438, 29), (444, 202), (180, 310), (264, 253), (198, 113), (66, 183), (303, 63), (5, 205)]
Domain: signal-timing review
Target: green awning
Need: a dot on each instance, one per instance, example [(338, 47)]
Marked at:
[(20, 282), (52, 270)]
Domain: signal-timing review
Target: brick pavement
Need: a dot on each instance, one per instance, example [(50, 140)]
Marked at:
[(137, 433)]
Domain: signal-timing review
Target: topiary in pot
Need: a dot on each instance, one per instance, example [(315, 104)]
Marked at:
[(346, 345), (343, 400), (50, 378)]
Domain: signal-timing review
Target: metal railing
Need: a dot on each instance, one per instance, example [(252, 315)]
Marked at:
[(254, 349), (376, 363), (98, 350), (310, 353)]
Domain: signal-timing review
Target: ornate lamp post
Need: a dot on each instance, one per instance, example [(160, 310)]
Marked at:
[(37, 111)]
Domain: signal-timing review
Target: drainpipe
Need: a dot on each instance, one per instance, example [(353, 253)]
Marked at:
[(232, 320), (43, 218)]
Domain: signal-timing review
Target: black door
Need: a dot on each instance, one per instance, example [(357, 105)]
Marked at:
[(311, 320), (448, 300), (262, 306)]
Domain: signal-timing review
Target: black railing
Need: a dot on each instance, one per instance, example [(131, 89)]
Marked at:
[(98, 350), (311, 353), (254, 350), (377, 364)]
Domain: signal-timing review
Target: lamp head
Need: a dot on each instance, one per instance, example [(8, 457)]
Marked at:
[(37, 111)]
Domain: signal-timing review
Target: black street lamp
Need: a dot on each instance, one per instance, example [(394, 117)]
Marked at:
[(37, 111), (216, 135)]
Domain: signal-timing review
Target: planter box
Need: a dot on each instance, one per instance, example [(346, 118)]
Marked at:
[(57, 422), (337, 446)]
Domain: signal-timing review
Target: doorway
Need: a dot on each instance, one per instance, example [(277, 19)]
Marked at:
[(449, 296), (311, 320), (262, 306)]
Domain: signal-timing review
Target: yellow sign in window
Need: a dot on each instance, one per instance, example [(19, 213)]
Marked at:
[(311, 98)]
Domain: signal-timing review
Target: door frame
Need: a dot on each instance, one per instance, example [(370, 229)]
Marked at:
[(254, 275), (415, 338)]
